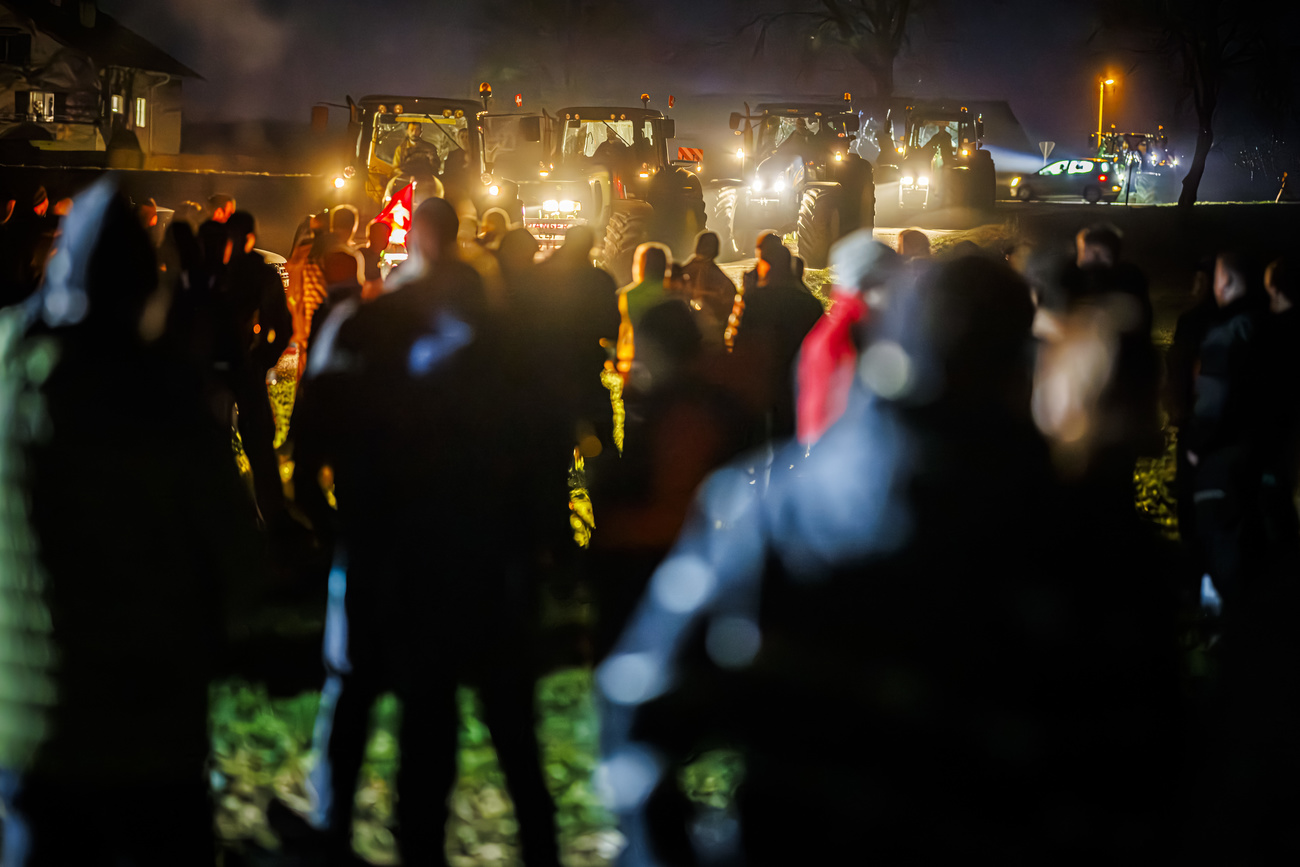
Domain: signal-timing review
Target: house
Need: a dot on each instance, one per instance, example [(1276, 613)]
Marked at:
[(73, 79)]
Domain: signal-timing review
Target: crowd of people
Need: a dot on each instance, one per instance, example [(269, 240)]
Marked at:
[(884, 543)]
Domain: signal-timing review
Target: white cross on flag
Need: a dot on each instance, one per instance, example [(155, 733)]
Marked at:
[(397, 213)]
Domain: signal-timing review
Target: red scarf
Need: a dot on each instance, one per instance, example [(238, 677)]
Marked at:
[(828, 362)]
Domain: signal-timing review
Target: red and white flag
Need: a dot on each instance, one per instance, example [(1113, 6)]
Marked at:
[(397, 213)]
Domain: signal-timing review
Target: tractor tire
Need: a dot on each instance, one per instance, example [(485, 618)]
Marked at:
[(721, 202), (858, 197), (819, 224), (983, 182), (628, 228)]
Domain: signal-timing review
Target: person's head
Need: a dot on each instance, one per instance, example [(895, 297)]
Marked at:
[(463, 138), (861, 263), (62, 207), (776, 268), (1282, 284), (378, 234), (343, 267), (963, 330), (432, 235), (767, 241), (243, 231), (414, 131), (148, 211), (496, 223), (216, 244), (40, 202), (518, 250), (7, 210), (706, 245), (1234, 278), (343, 222), (221, 207), (103, 272), (650, 262), (913, 244), (1098, 246)]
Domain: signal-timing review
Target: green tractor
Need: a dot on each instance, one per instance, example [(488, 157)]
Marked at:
[(941, 161), (798, 177), (610, 169)]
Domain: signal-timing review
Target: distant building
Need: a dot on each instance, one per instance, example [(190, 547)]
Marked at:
[(73, 79)]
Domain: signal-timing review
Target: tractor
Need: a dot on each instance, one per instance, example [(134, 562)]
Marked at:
[(941, 161), (798, 176), (609, 168), (1146, 161)]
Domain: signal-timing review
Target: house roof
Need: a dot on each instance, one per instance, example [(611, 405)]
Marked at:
[(107, 43)]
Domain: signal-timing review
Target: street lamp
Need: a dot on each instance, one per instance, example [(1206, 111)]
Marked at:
[(1101, 101)]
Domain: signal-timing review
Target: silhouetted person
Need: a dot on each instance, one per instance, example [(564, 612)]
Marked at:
[(1179, 391), (1222, 435), (258, 324), (414, 411), (613, 153), (516, 254), (710, 288), (913, 244), (128, 534), (220, 207), (343, 223), (377, 239), (778, 314)]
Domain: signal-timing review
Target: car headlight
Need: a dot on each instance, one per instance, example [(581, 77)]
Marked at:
[(907, 180), (494, 190), (1015, 181), (923, 182), (568, 206), (779, 185), (550, 205)]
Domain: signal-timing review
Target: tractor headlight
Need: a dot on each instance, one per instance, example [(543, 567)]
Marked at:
[(779, 185), (494, 190), (338, 183), (349, 173), (923, 182), (839, 157), (568, 206), (965, 152), (758, 185), (907, 180), (550, 205)]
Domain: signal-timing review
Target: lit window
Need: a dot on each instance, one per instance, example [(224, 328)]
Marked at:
[(140, 111), (116, 104), (1055, 168), (1080, 167)]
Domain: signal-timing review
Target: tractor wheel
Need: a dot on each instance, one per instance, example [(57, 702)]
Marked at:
[(1091, 195), (628, 228), (983, 182), (722, 220), (819, 224)]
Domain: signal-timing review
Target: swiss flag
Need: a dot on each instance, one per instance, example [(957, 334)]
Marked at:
[(397, 213)]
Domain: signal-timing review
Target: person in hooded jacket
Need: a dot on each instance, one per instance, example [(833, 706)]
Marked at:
[(129, 544)]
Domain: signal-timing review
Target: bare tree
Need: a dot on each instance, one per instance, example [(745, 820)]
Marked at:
[(1211, 39), (873, 31)]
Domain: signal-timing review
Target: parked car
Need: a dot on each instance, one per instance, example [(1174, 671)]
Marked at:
[(1093, 180)]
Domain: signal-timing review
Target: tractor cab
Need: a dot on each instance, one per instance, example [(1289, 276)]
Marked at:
[(422, 132)]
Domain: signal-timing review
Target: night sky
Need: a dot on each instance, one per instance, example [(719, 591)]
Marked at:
[(265, 59)]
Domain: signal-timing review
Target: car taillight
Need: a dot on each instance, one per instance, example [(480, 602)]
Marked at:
[(1101, 177)]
